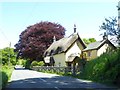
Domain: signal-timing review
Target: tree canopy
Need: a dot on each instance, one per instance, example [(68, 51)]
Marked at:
[(34, 40), (8, 56), (88, 41), (111, 28)]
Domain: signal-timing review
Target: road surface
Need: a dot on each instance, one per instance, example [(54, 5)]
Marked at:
[(29, 79)]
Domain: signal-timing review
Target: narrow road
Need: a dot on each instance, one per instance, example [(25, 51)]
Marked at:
[(29, 79)]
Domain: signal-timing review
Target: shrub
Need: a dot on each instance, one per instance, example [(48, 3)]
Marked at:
[(4, 79), (6, 74), (105, 69), (36, 63), (41, 63), (28, 64), (21, 62)]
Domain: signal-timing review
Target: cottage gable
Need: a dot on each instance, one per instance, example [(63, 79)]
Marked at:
[(95, 49), (98, 44)]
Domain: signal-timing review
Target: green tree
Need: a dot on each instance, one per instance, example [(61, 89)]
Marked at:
[(8, 56), (88, 41)]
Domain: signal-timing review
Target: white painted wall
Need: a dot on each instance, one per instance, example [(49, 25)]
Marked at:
[(72, 50), (59, 59), (102, 49)]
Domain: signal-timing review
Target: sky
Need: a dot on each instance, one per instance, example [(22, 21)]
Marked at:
[(15, 17)]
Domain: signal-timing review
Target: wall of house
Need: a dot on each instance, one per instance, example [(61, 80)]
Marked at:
[(102, 49), (91, 54), (59, 59), (74, 49)]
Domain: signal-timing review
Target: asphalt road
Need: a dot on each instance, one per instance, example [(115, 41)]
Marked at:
[(29, 79)]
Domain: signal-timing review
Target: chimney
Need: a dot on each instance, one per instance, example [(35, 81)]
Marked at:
[(74, 28), (54, 39), (105, 36)]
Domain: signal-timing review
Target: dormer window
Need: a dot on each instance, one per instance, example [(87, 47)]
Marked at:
[(52, 51), (59, 49)]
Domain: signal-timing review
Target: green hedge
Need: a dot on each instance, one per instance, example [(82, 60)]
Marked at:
[(6, 74), (104, 69)]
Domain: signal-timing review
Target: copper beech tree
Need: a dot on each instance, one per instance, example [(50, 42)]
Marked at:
[(37, 38)]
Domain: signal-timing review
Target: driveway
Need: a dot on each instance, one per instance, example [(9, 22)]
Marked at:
[(29, 79)]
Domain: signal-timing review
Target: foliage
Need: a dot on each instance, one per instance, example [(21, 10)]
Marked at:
[(36, 63), (37, 38), (8, 56), (6, 74), (28, 64), (111, 28), (105, 69), (21, 62), (88, 41)]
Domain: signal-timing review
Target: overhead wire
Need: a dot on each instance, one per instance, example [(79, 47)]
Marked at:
[(28, 17), (4, 35)]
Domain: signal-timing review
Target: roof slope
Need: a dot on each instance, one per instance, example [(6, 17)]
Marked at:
[(63, 44), (97, 45)]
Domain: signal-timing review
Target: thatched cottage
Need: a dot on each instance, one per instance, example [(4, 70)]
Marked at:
[(64, 52), (68, 50)]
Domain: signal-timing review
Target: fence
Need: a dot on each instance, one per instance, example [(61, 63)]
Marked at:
[(55, 69)]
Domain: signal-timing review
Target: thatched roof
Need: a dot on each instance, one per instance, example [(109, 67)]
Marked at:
[(97, 45), (63, 44)]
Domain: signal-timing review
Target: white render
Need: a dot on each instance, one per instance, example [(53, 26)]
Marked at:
[(73, 50), (102, 49), (62, 58), (59, 59)]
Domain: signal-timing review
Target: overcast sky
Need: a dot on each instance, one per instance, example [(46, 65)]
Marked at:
[(88, 16)]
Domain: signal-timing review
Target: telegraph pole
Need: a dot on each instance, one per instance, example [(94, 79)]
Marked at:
[(9, 52)]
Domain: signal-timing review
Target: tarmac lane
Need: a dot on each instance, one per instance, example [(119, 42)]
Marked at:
[(24, 79)]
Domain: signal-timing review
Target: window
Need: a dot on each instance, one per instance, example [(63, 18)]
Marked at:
[(89, 54), (59, 49), (52, 51)]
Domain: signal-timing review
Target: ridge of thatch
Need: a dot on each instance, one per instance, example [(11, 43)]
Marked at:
[(62, 45)]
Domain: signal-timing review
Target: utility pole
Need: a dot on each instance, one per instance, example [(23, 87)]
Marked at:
[(9, 52)]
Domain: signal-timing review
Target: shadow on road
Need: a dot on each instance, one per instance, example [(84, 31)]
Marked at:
[(54, 83)]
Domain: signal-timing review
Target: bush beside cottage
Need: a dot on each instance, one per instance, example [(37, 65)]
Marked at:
[(104, 69)]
